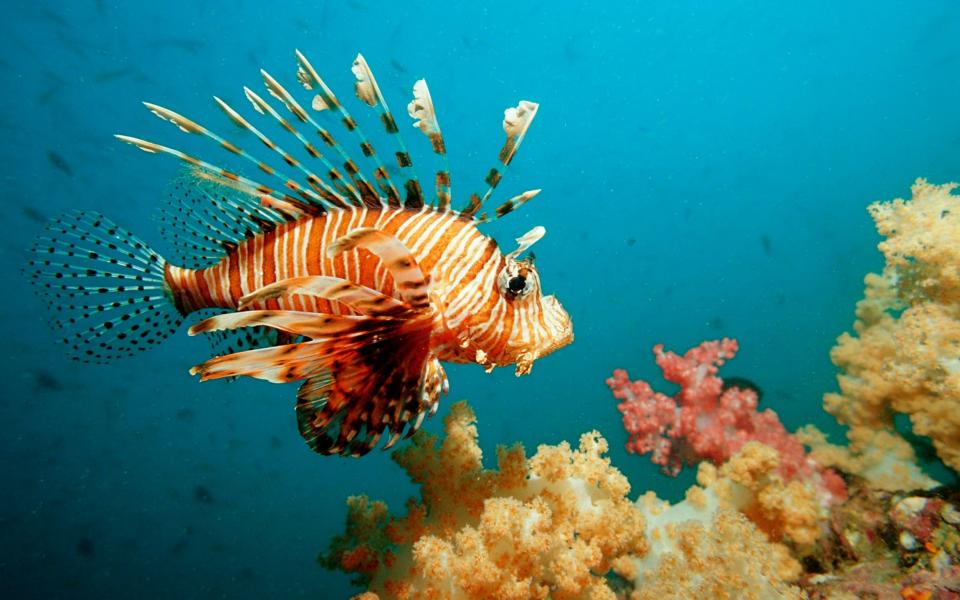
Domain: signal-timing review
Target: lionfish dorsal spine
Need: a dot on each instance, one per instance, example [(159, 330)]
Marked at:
[(319, 185), (516, 122), (368, 91), (342, 186), (206, 170), (368, 195), (423, 112), (189, 126)]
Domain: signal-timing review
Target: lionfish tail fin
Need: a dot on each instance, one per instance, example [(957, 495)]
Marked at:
[(106, 288)]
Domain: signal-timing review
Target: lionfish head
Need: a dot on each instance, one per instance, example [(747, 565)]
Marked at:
[(540, 324)]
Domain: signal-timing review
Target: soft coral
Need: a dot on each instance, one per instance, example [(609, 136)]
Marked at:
[(705, 420)]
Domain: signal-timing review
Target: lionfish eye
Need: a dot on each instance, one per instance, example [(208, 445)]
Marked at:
[(517, 280)]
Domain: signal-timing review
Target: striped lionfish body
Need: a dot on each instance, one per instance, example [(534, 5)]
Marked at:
[(342, 282)]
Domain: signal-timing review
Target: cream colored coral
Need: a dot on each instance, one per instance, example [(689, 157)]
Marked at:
[(882, 457), (921, 245), (725, 558), (905, 356), (717, 542), (550, 527), (748, 483)]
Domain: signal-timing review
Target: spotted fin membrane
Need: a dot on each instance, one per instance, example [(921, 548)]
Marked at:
[(105, 287)]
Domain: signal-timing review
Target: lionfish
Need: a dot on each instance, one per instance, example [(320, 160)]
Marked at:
[(335, 280)]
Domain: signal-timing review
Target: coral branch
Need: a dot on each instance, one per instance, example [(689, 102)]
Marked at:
[(904, 356), (707, 420), (550, 526)]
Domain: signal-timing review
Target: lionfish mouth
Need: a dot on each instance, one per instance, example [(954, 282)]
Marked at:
[(559, 326)]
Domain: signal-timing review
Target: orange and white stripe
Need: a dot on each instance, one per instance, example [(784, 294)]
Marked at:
[(462, 262)]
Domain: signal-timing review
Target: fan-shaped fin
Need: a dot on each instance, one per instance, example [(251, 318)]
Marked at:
[(105, 286), (364, 374), (347, 410), (203, 220)]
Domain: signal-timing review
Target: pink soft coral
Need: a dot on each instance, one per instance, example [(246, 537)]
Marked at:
[(704, 421)]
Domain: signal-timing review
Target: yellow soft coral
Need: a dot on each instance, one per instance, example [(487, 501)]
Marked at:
[(724, 558), (748, 483), (881, 457), (722, 541), (548, 527), (905, 356), (921, 245)]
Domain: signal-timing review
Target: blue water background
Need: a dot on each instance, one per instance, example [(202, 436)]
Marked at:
[(673, 139)]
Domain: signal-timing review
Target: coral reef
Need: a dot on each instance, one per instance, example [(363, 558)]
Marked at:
[(550, 526), (768, 518), (904, 355), (889, 545), (750, 483), (706, 547), (559, 525)]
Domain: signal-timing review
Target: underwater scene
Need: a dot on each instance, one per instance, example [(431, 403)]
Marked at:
[(480, 300)]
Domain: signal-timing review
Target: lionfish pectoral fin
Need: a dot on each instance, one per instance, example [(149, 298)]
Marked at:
[(412, 284), (360, 298), (364, 374), (347, 411), (330, 340), (231, 341)]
